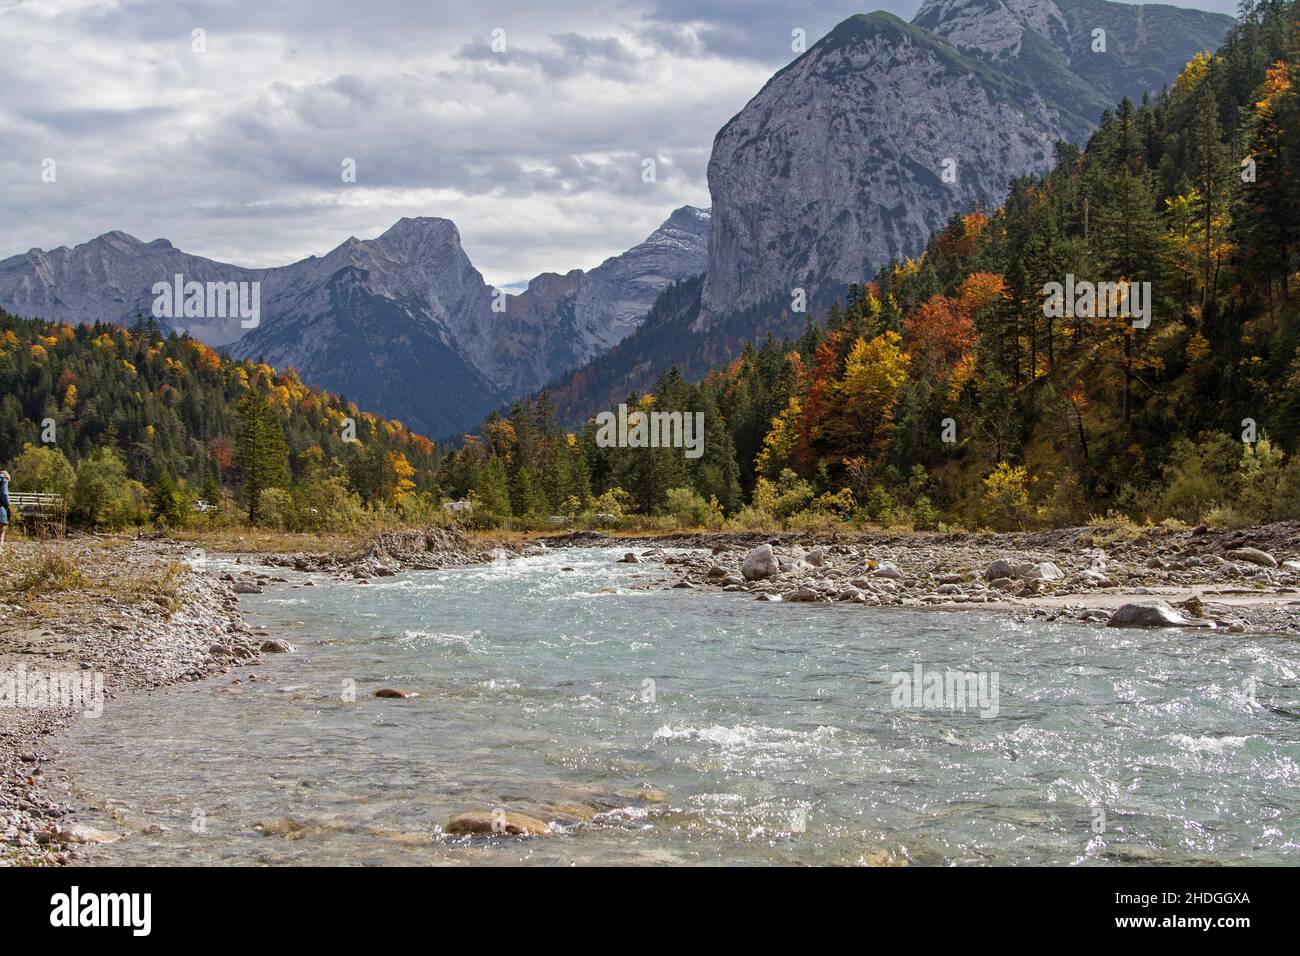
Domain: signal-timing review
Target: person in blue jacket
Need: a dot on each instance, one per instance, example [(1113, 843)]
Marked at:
[(4, 507)]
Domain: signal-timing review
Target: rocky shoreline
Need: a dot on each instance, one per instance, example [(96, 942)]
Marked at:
[(1246, 580), (112, 616), (410, 549), (97, 608)]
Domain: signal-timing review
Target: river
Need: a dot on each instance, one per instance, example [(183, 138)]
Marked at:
[(764, 732)]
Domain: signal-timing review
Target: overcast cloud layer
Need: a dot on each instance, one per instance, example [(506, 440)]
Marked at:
[(235, 153)]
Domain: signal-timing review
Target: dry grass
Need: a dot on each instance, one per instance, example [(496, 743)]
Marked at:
[(48, 580), (50, 572), (160, 586), (1115, 528), (263, 541)]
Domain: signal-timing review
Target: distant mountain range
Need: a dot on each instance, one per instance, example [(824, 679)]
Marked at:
[(850, 156), (402, 324)]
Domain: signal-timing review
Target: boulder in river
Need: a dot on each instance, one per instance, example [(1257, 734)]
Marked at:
[(629, 558), (760, 563), (80, 833), (277, 647), (1151, 614), (499, 822)]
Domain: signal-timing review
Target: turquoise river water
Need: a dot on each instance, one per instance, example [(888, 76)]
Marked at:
[(771, 733)]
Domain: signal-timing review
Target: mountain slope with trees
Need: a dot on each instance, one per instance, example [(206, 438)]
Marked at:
[(948, 388), (130, 424)]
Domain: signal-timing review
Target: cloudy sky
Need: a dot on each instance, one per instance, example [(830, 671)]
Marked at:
[(235, 151)]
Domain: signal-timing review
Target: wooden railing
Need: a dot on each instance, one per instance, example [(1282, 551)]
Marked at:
[(40, 514)]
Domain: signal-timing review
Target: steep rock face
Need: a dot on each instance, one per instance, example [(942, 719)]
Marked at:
[(415, 305), (612, 299), (837, 165), (1084, 55), (384, 351), (388, 322), (562, 321)]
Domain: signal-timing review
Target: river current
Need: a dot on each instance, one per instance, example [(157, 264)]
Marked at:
[(702, 728)]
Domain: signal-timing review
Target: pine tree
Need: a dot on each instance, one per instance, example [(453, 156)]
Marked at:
[(262, 454)]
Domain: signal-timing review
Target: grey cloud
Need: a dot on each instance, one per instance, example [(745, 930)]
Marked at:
[(236, 153)]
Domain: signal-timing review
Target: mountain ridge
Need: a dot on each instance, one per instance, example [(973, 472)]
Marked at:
[(408, 302)]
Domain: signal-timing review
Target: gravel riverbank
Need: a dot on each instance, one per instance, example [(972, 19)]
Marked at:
[(84, 620)]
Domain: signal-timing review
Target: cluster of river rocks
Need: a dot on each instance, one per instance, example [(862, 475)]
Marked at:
[(410, 549), (1247, 580)]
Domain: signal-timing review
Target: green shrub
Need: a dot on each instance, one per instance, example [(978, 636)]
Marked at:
[(750, 518), (688, 509), (43, 470), (171, 503), (815, 522), (275, 508), (102, 496), (323, 504), (1228, 517), (925, 516), (787, 496)]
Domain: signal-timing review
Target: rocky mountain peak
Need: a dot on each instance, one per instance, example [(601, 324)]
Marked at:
[(422, 229), (854, 153), (993, 27), (115, 240), (825, 174)]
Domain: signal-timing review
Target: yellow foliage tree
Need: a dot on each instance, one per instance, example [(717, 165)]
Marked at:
[(1006, 497), (861, 415), (780, 440), (401, 471)]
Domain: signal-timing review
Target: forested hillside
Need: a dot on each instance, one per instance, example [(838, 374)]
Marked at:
[(133, 425), (947, 389)]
